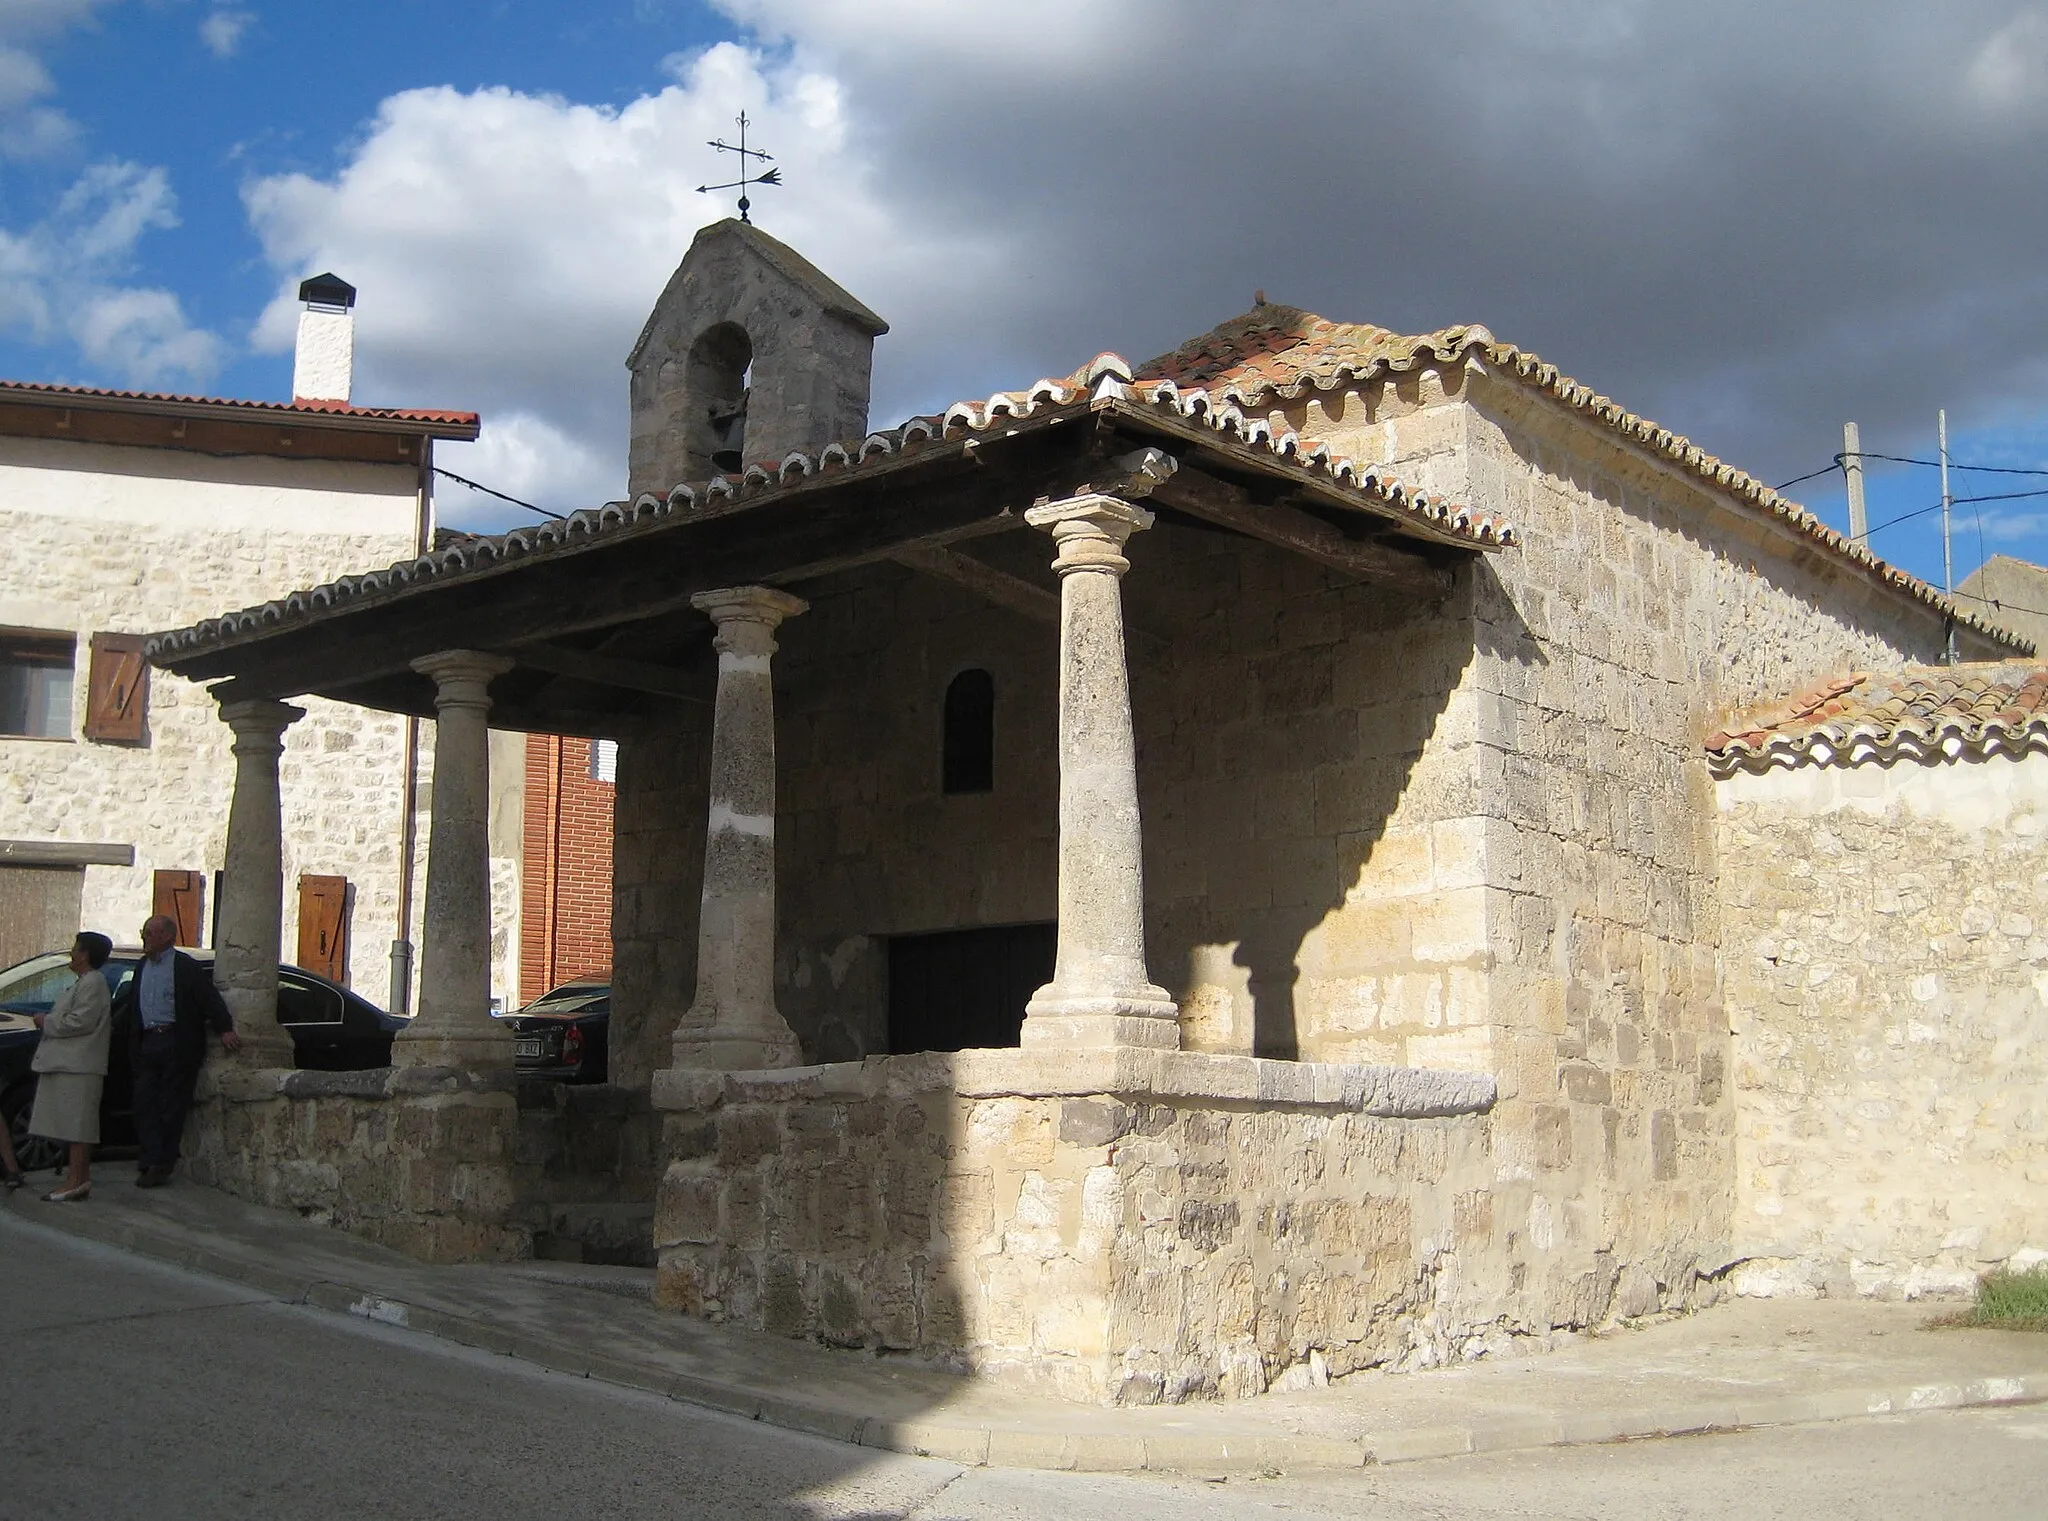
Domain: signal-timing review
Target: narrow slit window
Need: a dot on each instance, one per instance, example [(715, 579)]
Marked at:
[(969, 755)]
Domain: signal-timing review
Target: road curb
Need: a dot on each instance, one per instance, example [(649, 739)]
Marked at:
[(1001, 1446)]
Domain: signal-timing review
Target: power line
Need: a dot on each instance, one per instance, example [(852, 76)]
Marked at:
[(463, 480), (1814, 476), (1935, 464)]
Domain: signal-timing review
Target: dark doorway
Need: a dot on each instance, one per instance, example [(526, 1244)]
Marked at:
[(968, 758), (964, 990)]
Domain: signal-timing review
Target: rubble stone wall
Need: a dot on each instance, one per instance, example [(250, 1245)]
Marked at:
[(433, 1163), (1204, 1226), (1887, 932)]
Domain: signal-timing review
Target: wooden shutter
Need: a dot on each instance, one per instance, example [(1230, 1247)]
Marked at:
[(117, 691), (181, 895), (323, 926)]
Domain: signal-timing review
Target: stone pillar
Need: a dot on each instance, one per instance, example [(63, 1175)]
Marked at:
[(250, 926), (1100, 993), (733, 1025), (453, 1027)]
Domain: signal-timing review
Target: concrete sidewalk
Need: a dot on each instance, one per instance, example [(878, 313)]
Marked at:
[(1747, 1363)]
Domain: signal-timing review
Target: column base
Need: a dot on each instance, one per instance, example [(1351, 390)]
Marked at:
[(714, 1051), (1145, 1017)]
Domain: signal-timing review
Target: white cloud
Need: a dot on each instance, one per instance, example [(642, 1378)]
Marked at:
[(508, 247), (29, 128), (63, 277), (2010, 72), (524, 456), (222, 30)]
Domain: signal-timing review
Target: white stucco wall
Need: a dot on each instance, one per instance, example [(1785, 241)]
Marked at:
[(107, 538), (1887, 990)]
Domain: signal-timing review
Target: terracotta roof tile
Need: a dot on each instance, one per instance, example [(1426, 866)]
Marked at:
[(1285, 352), (35, 391), (1922, 712)]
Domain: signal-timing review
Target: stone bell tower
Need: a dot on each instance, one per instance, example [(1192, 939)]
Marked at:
[(750, 352)]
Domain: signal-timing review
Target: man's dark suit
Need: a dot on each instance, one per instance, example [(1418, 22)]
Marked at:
[(166, 1064)]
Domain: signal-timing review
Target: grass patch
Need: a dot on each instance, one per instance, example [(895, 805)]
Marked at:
[(2007, 1302)]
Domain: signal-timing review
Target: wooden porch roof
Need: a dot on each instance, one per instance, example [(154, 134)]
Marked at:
[(586, 605)]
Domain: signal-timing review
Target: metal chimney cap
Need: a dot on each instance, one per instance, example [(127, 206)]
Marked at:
[(328, 290)]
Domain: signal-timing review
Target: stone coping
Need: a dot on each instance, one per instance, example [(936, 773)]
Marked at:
[(237, 1084), (1408, 1093)]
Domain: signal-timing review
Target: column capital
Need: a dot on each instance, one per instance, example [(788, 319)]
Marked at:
[(747, 616), (256, 718), (1091, 531), (462, 678)]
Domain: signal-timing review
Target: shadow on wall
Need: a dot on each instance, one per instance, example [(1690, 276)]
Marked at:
[(1293, 760)]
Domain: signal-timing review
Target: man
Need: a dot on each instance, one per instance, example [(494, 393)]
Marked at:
[(166, 1009)]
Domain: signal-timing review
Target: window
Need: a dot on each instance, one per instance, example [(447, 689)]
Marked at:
[(968, 754), (35, 684), (604, 760), (301, 1001), (117, 692)]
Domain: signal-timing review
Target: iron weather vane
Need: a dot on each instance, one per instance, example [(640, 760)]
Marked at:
[(771, 176)]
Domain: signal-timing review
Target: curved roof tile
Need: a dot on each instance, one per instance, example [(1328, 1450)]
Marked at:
[(1921, 713)]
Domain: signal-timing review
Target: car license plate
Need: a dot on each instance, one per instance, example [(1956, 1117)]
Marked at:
[(522, 1049)]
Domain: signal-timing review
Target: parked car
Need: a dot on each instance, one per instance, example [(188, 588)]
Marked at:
[(563, 1033), (332, 1029)]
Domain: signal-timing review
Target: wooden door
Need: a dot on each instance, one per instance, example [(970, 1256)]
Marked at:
[(181, 895), (323, 926), (963, 990), (39, 907)]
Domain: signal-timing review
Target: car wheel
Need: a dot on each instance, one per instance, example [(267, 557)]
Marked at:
[(32, 1153)]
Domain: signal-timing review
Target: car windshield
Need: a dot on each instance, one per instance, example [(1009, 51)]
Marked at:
[(32, 986), (569, 998)]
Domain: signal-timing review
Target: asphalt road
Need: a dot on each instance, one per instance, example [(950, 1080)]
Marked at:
[(136, 1390)]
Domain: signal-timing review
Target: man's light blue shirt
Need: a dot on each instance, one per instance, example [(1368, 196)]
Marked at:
[(156, 993)]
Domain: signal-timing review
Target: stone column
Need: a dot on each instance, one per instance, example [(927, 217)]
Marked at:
[(733, 1025), (251, 910), (453, 1027), (1100, 993)]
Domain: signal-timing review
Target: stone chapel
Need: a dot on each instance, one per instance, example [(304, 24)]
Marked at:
[(1168, 876)]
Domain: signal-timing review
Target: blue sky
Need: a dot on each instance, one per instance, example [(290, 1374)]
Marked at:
[(1748, 222)]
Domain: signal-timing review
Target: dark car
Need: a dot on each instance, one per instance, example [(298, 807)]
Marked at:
[(332, 1029), (562, 1034)]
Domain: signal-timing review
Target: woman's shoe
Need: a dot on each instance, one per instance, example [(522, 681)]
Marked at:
[(11, 1181), (76, 1195)]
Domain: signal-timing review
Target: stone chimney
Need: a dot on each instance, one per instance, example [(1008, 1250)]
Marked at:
[(324, 366), (751, 352)]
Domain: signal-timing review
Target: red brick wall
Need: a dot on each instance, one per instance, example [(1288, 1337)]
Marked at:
[(565, 918)]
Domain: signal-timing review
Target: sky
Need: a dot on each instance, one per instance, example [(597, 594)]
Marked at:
[(1749, 221)]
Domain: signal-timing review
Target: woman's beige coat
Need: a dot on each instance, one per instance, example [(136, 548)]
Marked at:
[(78, 1029)]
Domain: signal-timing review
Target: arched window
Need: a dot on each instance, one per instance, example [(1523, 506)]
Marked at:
[(968, 755)]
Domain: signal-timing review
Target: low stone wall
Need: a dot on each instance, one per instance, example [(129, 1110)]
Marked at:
[(1887, 984), (1118, 1226), (432, 1162)]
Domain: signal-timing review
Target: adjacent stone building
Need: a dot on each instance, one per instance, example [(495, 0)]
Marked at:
[(1110, 888), (125, 512), (1884, 873)]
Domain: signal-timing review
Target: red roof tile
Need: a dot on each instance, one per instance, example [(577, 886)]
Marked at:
[(432, 421), (1918, 713)]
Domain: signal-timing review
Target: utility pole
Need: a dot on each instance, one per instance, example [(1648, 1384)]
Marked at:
[(1852, 467), (1948, 563)]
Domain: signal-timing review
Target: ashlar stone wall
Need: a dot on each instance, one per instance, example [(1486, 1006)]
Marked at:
[(1638, 607), (1887, 933), (1203, 1226)]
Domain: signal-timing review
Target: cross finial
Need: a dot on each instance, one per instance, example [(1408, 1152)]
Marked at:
[(765, 177)]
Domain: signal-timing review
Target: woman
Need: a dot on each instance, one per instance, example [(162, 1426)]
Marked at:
[(71, 1063)]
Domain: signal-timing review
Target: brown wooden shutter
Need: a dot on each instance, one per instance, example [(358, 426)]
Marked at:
[(117, 691), (181, 895), (323, 926)]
